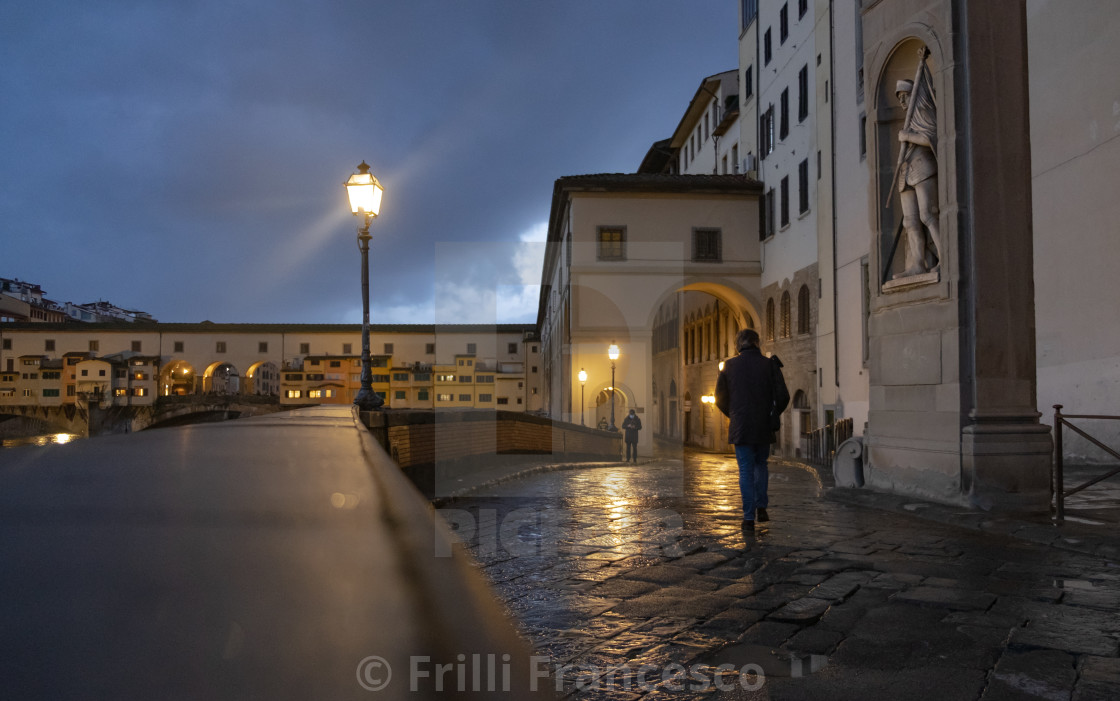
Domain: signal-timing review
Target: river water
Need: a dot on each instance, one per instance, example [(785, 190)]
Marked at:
[(45, 439)]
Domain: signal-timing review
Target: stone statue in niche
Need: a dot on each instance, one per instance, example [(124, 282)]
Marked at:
[(916, 173)]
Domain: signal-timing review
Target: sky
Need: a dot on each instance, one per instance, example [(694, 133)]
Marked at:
[(187, 159)]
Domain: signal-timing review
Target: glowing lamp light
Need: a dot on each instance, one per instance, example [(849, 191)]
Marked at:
[(708, 399), (721, 366), (582, 376), (612, 351), (364, 192)]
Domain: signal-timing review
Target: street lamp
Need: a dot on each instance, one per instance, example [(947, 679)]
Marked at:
[(365, 200), (582, 406), (612, 353)]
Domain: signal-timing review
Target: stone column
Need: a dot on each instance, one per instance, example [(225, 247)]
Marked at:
[(1005, 451)]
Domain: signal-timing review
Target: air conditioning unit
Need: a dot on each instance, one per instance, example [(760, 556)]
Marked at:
[(748, 163)]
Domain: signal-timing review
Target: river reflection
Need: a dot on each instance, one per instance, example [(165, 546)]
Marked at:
[(47, 439)]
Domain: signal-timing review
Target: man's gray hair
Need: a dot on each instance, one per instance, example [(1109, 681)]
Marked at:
[(747, 338)]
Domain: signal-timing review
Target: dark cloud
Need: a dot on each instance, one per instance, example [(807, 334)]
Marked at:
[(188, 158)]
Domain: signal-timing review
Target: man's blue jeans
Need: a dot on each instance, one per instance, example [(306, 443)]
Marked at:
[(753, 476)]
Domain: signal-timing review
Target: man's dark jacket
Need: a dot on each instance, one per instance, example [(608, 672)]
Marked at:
[(750, 389)]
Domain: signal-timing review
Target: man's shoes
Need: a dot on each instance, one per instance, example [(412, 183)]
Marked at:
[(762, 516), (747, 523)]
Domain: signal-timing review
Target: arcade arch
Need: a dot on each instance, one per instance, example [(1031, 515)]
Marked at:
[(263, 378), (221, 378), (177, 378)]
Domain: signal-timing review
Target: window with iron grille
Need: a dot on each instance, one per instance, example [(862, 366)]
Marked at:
[(803, 310), (770, 319), (784, 331), (707, 245), (612, 243)]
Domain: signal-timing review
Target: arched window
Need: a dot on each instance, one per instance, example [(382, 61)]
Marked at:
[(803, 310), (770, 319), (785, 315)]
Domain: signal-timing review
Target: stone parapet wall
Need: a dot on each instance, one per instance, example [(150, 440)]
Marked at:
[(415, 438)]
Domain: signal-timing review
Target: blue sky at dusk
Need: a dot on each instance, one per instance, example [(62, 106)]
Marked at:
[(187, 159)]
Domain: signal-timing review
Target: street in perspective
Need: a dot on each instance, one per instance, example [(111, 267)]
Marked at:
[(638, 581)]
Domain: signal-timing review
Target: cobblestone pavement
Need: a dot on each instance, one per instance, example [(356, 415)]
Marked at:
[(638, 582)]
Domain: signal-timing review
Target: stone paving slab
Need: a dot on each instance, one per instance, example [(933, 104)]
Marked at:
[(830, 599)]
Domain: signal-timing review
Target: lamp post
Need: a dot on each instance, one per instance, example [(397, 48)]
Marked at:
[(612, 353), (582, 406), (365, 200)]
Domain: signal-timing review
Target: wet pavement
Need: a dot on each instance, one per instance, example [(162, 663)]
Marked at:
[(639, 582)]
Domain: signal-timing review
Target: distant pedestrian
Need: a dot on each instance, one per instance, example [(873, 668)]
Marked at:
[(631, 425), (752, 392)]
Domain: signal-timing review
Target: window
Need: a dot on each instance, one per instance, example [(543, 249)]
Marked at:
[(380, 378), (767, 54), (379, 362), (294, 394), (445, 378), (422, 377), (335, 363), (138, 391), (52, 392), (803, 93), (785, 201), (48, 344), (94, 346), (399, 394), (612, 243), (328, 393), (534, 368), (55, 375), (28, 393), (178, 347), (485, 397), (503, 400), (803, 186), (400, 377), (750, 9), (101, 373), (85, 373), (465, 379), (7, 344), (748, 82), (735, 158), (484, 379), (511, 348), (220, 347), (70, 391), (803, 310), (783, 126), (388, 349), (347, 349), (472, 348), (262, 347), (770, 319), (862, 136), (136, 346), (304, 348), (533, 349), (802, 8), (423, 395), (430, 349), (783, 24), (766, 129), (706, 245), (120, 392), (784, 329), (293, 377), (766, 216)]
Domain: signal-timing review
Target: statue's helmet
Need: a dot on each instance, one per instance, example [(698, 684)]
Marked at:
[(903, 86)]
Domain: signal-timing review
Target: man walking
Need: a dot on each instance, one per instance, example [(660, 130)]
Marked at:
[(752, 392), (631, 425)]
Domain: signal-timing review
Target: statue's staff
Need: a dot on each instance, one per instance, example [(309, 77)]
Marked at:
[(903, 152)]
